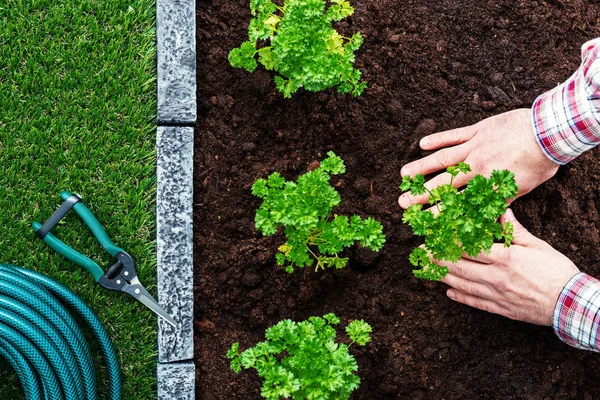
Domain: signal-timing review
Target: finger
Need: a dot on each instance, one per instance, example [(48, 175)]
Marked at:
[(468, 287), (521, 236), (406, 199), (437, 161), (475, 302), (448, 138), (481, 258), (470, 270)]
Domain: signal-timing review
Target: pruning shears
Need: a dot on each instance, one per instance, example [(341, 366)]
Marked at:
[(121, 276)]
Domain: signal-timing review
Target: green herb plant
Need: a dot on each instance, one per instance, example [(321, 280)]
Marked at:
[(464, 222), (301, 360), (302, 47), (304, 209)]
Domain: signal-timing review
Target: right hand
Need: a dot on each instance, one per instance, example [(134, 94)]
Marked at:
[(504, 141), (521, 282)]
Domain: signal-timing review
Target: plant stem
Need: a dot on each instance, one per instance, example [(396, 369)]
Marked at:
[(437, 200)]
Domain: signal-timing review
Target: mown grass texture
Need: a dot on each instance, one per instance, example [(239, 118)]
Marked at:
[(77, 112)]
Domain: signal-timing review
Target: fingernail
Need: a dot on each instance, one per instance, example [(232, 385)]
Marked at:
[(404, 201), (450, 293), (509, 215), (404, 172), (424, 142)]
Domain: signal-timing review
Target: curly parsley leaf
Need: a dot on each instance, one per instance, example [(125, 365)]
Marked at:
[(243, 56), (466, 221), (301, 360), (301, 46), (304, 209), (359, 332)]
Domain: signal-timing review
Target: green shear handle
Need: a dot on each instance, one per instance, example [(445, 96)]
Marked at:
[(121, 276), (74, 201)]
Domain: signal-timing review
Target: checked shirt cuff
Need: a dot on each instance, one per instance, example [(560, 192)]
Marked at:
[(566, 120), (576, 317)]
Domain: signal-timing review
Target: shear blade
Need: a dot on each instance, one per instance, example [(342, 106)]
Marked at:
[(153, 305), (138, 291)]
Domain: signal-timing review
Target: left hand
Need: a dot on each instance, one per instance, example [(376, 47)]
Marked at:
[(521, 282)]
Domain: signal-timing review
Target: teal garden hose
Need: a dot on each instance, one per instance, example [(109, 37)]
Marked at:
[(43, 343)]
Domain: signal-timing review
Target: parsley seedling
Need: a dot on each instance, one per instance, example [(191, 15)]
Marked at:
[(302, 46), (466, 221), (301, 360), (304, 209)]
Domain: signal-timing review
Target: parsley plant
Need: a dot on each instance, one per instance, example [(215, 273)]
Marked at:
[(303, 47), (466, 221), (301, 360), (304, 208)]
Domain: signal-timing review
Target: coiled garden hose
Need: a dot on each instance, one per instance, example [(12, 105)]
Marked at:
[(43, 343)]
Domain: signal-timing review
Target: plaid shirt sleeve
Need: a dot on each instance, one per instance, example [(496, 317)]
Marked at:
[(576, 317), (566, 119)]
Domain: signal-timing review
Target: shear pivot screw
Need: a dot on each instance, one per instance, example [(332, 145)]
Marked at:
[(137, 291)]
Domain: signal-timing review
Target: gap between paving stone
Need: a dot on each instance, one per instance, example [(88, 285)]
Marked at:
[(176, 116)]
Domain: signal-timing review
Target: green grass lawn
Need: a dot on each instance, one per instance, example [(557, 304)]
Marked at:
[(77, 113)]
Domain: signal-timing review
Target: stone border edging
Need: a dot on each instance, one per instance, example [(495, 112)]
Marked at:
[(176, 115), (174, 241), (176, 381), (176, 62)]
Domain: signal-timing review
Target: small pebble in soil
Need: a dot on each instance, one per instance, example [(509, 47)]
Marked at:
[(426, 127)]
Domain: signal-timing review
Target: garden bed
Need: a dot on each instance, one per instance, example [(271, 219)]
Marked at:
[(430, 66)]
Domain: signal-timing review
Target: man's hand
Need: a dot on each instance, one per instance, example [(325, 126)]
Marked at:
[(520, 282), (505, 141)]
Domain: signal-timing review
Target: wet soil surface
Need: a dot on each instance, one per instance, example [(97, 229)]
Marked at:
[(431, 66)]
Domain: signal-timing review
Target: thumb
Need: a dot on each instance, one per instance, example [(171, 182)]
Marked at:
[(521, 236)]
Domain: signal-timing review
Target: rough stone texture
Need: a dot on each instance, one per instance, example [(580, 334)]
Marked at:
[(175, 151), (176, 381), (176, 61)]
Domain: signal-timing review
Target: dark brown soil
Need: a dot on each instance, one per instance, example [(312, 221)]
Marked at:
[(430, 65)]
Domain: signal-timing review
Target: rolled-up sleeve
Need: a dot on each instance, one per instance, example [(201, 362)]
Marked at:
[(576, 318), (566, 119)]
